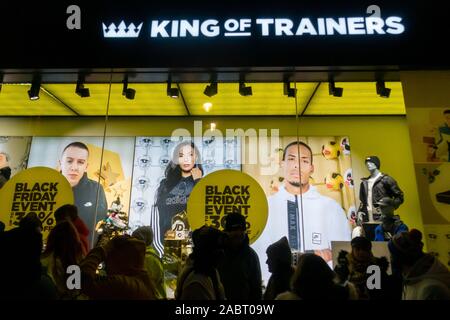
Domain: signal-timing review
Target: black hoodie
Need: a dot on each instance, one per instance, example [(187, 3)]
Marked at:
[(85, 196), (5, 174), (240, 273)]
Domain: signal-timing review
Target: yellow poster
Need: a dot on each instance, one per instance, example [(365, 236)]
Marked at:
[(225, 191), (40, 190)]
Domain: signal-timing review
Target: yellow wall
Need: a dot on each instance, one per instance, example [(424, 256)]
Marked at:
[(427, 95), (387, 137)]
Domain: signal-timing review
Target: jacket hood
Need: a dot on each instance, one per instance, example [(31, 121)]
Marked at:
[(280, 251), (428, 267), (6, 172)]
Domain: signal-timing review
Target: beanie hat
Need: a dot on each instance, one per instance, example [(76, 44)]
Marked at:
[(407, 245), (234, 221), (280, 251), (375, 160), (361, 242), (127, 254), (144, 233)]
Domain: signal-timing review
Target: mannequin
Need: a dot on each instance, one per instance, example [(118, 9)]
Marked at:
[(375, 187), (390, 223)]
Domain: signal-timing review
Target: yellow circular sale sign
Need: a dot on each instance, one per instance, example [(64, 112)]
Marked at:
[(40, 190), (226, 191)]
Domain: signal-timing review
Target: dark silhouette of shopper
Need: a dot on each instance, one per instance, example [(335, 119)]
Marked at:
[(126, 277), (31, 222), (22, 276), (279, 261), (424, 276), (239, 270), (69, 212), (314, 280), (353, 267), (199, 279), (63, 249), (153, 263)]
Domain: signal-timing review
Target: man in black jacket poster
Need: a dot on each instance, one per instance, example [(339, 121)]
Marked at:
[(89, 196)]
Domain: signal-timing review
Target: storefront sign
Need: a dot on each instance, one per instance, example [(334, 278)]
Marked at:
[(265, 27), (221, 34)]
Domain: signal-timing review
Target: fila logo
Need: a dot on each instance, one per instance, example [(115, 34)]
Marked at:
[(316, 238), (122, 31)]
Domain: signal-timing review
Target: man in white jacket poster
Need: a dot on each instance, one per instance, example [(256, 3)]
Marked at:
[(298, 211)]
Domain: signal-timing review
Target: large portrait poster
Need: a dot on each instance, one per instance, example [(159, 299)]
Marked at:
[(430, 142), (13, 155), (430, 134), (100, 177), (310, 192), (159, 165), (166, 169)]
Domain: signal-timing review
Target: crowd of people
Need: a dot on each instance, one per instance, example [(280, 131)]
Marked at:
[(222, 266)]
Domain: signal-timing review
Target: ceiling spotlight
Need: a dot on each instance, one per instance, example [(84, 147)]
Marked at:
[(244, 90), (211, 89), (80, 89), (333, 90), (288, 91), (128, 92), (207, 106), (172, 92), (382, 91), (33, 93)]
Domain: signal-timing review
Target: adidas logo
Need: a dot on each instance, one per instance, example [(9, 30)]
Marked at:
[(122, 31)]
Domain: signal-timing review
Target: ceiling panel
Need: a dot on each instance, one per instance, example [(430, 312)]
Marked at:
[(150, 100), (359, 98), (14, 101), (267, 99), (90, 106)]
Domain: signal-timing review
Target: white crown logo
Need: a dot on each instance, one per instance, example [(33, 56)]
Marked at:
[(122, 31)]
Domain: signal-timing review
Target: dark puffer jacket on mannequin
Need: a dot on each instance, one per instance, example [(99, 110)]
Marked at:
[(384, 186)]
